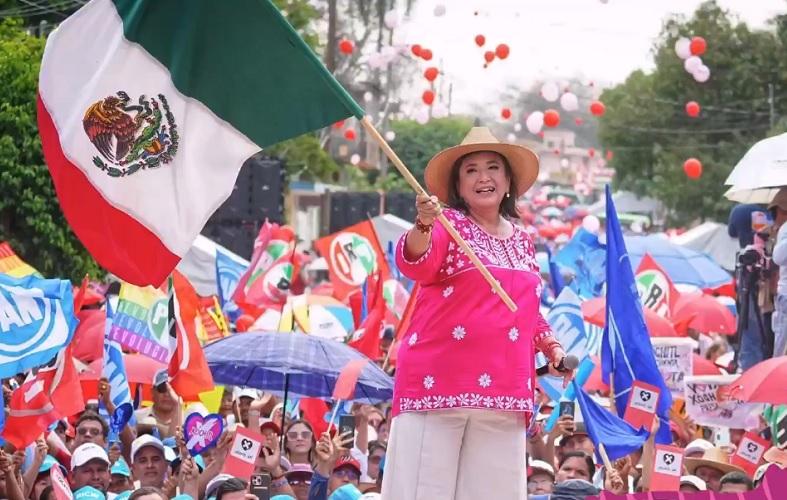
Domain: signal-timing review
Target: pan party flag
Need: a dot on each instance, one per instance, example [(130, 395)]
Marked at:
[(148, 109)]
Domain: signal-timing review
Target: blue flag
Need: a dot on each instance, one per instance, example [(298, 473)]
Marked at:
[(228, 273), (554, 275), (617, 435), (36, 322), (584, 255), (114, 368), (626, 351)]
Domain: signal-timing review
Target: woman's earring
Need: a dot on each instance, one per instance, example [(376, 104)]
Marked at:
[(508, 195)]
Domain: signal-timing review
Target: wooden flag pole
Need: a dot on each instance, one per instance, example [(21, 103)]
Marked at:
[(400, 166), (603, 452)]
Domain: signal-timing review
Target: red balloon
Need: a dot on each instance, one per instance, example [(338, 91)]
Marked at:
[(541, 134), (505, 113), (591, 152), (431, 73), (346, 46), (349, 134), (556, 151), (489, 56), (579, 121), (693, 109), (697, 46), (610, 155), (428, 97), (480, 40), (597, 108), (338, 124), (426, 54), (551, 118), (243, 323), (502, 51), (693, 168), (416, 50)]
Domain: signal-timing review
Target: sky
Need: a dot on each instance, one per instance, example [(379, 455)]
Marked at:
[(600, 42)]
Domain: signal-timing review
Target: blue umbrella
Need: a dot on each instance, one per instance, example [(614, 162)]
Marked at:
[(295, 363), (682, 264)]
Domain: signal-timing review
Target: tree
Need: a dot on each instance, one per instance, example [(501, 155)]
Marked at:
[(30, 216), (647, 127)]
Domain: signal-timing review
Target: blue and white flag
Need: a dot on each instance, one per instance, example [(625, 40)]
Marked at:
[(228, 273), (114, 368), (584, 255), (36, 321), (626, 350)]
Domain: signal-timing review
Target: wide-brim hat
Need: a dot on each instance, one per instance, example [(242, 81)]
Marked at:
[(523, 162), (716, 458)]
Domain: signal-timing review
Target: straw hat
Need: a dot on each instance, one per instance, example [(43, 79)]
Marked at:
[(716, 458), (780, 200), (523, 162)]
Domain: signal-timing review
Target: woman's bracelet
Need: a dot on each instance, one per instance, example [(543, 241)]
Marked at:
[(424, 228)]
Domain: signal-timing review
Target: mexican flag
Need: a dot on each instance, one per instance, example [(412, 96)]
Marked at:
[(147, 109)]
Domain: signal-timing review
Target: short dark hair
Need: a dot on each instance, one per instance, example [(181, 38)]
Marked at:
[(147, 490), (736, 477), (375, 445), (46, 493), (91, 415), (231, 486), (507, 206), (578, 454)]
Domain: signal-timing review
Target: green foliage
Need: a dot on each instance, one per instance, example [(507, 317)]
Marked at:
[(30, 217), (647, 127), (300, 14), (416, 144), (305, 158)]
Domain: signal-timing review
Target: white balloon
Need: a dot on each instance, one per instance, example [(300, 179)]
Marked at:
[(692, 64), (564, 162), (388, 53), (439, 10), (355, 159), (701, 74), (422, 116), (535, 122), (550, 91), (569, 102), (391, 19), (375, 60), (439, 110), (511, 137), (591, 224), (390, 135), (368, 96), (517, 127), (683, 47)]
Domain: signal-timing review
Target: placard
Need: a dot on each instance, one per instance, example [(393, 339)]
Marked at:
[(705, 408), (667, 468), (749, 453), (243, 453), (675, 361), (641, 406)]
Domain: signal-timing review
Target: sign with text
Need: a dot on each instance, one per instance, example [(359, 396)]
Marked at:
[(641, 407), (705, 407), (675, 361), (667, 468), (243, 453), (749, 453)]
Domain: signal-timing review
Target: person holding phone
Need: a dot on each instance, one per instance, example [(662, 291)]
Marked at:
[(466, 366)]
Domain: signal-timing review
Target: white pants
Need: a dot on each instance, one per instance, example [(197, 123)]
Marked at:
[(457, 454)]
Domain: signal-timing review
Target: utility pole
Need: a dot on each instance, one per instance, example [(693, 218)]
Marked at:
[(772, 105)]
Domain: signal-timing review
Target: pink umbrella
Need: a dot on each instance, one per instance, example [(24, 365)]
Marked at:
[(762, 383)]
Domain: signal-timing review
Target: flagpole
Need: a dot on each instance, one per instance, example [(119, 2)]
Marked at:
[(603, 452), (413, 182)]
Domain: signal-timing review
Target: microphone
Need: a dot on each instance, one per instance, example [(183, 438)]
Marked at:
[(568, 363)]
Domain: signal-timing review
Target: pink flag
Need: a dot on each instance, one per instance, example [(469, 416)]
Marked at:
[(59, 484), (348, 378)]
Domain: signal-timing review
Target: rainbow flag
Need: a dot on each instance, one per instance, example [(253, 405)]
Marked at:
[(12, 265), (141, 321)]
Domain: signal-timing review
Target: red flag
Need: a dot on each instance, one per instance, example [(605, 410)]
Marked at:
[(403, 326), (79, 296), (188, 370), (348, 378), (53, 393), (655, 287), (314, 411), (272, 268), (367, 339)]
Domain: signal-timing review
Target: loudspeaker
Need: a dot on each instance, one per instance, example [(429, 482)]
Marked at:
[(347, 209), (237, 237), (401, 204), (258, 193)]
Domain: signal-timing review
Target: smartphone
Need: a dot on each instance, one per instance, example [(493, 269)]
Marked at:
[(347, 424), (566, 408), (261, 486)]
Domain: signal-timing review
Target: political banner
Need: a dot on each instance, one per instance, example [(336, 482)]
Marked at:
[(749, 452), (273, 267), (36, 321), (655, 288), (674, 359), (141, 321), (568, 326), (12, 265), (641, 407), (228, 273), (352, 254), (667, 468), (705, 407)]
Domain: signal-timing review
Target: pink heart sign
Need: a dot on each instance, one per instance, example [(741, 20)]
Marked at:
[(201, 432)]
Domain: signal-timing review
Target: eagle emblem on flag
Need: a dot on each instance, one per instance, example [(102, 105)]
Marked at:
[(131, 136)]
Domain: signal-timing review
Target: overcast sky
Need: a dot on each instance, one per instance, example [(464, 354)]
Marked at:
[(599, 41)]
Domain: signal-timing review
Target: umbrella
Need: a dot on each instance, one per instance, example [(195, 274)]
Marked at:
[(139, 369), (299, 364), (682, 264), (704, 366), (705, 314), (762, 166), (762, 383), (761, 196), (594, 311)]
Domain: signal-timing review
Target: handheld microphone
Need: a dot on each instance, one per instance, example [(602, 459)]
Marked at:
[(568, 363)]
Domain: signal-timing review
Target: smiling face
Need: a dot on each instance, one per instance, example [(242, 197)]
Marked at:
[(483, 180), (149, 466)]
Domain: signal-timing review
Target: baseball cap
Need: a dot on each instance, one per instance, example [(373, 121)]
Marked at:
[(120, 468), (48, 463), (87, 452), (88, 493), (198, 461), (270, 424), (160, 377), (299, 469), (346, 492), (371, 496), (123, 496), (347, 461), (213, 484), (144, 441), (698, 446), (541, 466), (244, 392), (694, 481), (282, 497), (760, 472)]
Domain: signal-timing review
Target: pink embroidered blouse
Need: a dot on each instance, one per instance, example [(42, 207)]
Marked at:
[(464, 348)]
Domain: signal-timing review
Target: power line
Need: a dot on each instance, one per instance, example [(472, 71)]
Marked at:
[(674, 131)]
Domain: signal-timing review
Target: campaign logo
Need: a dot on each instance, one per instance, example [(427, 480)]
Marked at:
[(352, 258)]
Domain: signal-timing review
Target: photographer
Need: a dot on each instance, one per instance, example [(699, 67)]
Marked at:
[(778, 208)]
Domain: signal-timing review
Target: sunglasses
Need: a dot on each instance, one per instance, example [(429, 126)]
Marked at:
[(295, 434), (84, 431), (348, 473), (299, 482)]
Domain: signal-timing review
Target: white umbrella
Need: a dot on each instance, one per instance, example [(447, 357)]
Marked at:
[(761, 196), (763, 166)]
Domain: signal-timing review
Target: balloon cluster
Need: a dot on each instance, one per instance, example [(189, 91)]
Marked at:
[(690, 51), (501, 51)]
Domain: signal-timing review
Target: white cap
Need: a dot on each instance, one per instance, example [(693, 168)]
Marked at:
[(87, 452), (244, 392), (144, 441), (698, 445), (694, 481), (542, 466), (213, 484), (761, 470)]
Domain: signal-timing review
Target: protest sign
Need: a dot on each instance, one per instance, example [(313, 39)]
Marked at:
[(674, 359), (667, 468), (749, 452), (141, 321), (642, 404), (243, 453), (705, 408)]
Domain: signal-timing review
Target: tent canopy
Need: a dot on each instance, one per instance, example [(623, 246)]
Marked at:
[(711, 238)]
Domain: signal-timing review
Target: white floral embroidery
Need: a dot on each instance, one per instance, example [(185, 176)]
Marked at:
[(489, 402), (449, 269), (513, 334), (428, 382), (459, 333), (485, 380), (465, 400), (413, 339), (448, 291), (539, 288), (450, 258)]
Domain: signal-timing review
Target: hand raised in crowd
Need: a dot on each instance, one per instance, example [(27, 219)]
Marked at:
[(6, 464), (115, 452), (272, 460), (170, 487), (427, 208), (41, 451), (259, 404), (563, 427), (189, 477), (614, 483), (324, 448)]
